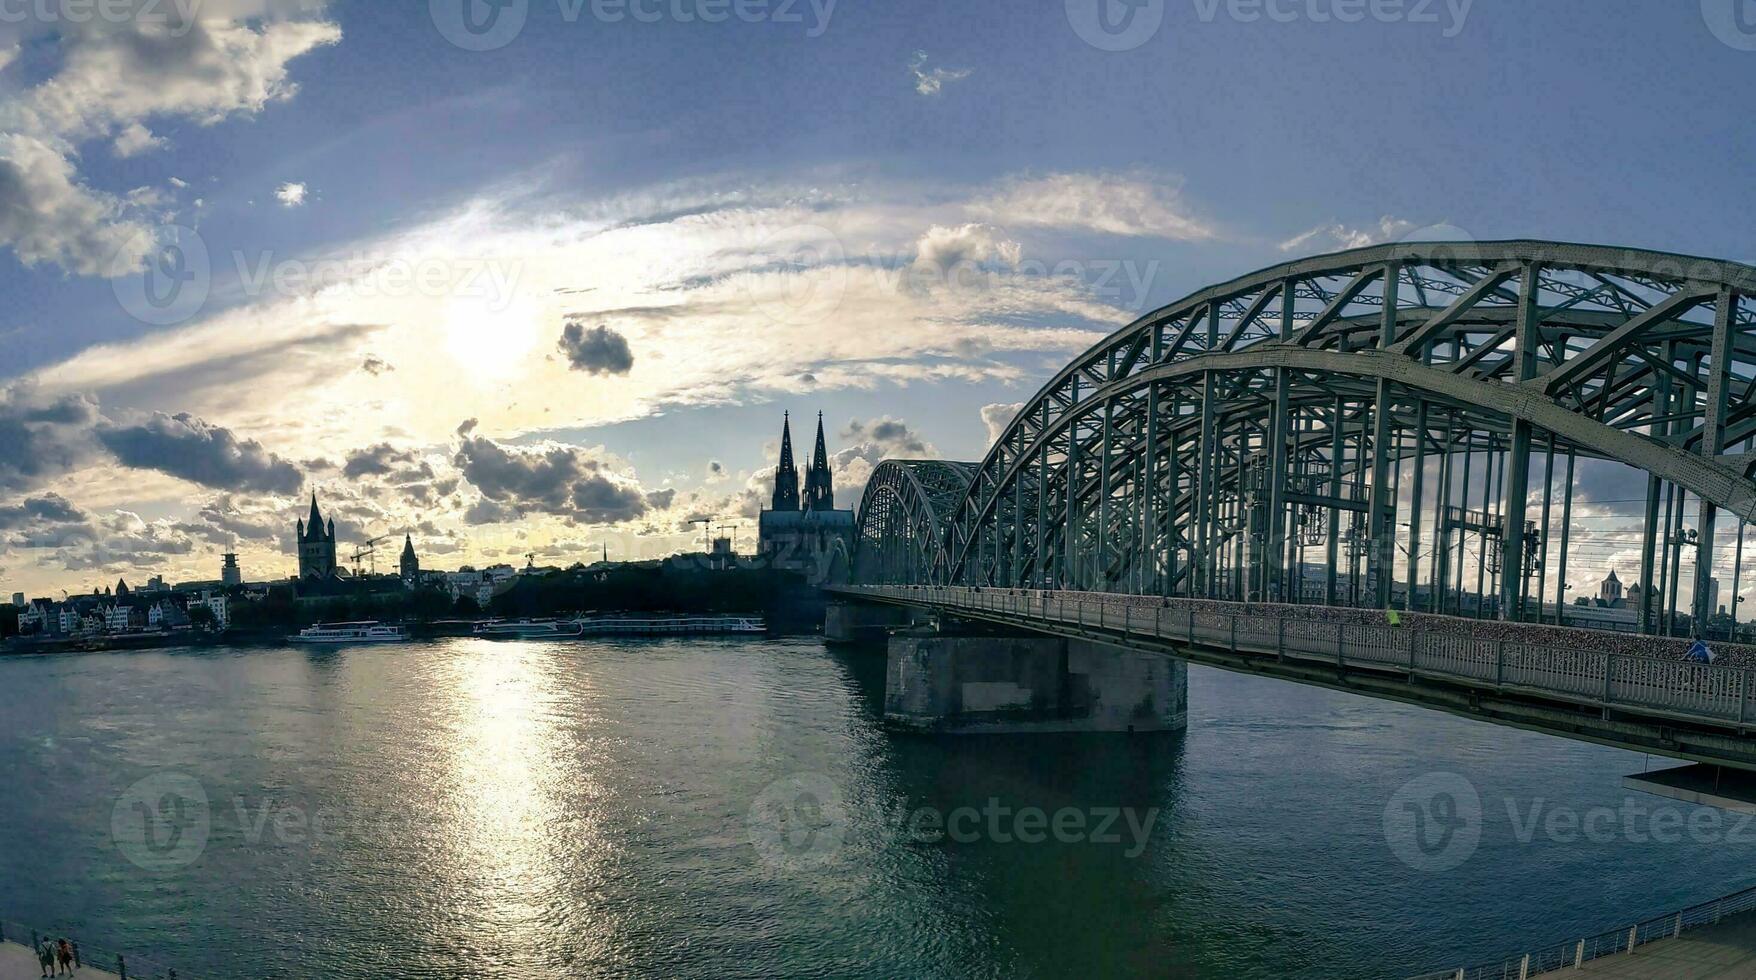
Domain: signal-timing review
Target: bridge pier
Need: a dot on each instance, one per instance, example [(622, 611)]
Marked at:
[(861, 622), (972, 685)]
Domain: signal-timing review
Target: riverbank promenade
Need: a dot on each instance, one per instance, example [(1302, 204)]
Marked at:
[(19, 963), (1716, 952)]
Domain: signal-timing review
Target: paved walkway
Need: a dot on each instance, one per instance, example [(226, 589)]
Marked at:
[(18, 963), (1718, 952)]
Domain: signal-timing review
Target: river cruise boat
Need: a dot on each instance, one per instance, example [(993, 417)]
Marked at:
[(670, 625), (350, 633), (528, 629)]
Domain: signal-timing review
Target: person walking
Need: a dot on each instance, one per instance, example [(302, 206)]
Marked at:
[(46, 957), (64, 953)]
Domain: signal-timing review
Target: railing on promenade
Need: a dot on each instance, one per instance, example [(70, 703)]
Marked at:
[(1622, 939), (1674, 688), (126, 966)]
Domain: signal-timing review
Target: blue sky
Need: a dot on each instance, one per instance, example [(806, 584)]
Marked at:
[(993, 192)]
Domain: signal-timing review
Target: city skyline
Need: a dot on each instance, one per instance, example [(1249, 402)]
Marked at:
[(583, 334)]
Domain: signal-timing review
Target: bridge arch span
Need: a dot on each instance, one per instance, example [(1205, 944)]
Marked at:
[(902, 520), (1208, 447)]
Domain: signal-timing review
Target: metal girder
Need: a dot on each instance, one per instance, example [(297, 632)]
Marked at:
[(1163, 457)]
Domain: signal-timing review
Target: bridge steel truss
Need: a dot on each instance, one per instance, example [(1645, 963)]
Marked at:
[(1329, 428)]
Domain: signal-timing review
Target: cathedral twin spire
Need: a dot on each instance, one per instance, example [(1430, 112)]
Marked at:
[(819, 486)]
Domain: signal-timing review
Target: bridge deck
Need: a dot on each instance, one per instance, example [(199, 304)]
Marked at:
[(1684, 710)]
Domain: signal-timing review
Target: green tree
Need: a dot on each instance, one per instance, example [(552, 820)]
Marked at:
[(202, 618)]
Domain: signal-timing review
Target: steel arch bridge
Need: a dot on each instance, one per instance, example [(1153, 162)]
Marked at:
[(1359, 427)]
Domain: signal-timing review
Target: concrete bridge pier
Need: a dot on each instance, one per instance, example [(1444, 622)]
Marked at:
[(864, 622), (969, 685)]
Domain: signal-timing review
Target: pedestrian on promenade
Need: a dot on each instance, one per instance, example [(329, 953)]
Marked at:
[(46, 957), (64, 953)]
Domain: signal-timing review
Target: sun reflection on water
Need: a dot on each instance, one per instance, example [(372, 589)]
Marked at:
[(523, 823)]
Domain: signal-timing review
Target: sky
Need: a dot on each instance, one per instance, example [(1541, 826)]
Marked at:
[(540, 276)]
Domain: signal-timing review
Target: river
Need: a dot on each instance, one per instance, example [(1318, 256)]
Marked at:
[(735, 808)]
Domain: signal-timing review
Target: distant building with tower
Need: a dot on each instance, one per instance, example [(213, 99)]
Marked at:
[(316, 545), (805, 535), (410, 565), (230, 573), (1610, 592)]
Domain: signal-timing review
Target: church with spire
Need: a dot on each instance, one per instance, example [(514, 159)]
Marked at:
[(800, 533), (316, 545)]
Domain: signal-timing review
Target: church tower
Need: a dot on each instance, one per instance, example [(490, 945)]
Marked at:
[(411, 566), (316, 545), (786, 476), (819, 488)]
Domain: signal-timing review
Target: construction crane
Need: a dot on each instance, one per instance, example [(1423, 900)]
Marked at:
[(369, 552)]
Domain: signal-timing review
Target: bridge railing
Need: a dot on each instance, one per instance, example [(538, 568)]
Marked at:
[(1572, 953), (126, 967), (1674, 688)]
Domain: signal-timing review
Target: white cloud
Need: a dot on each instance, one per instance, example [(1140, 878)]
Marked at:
[(1339, 236), (48, 216), (932, 82), (135, 139), (729, 295), (723, 303), (227, 58), (1135, 204), (997, 417), (942, 249), (290, 195)]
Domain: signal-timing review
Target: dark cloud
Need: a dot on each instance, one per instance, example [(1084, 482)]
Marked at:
[(486, 511), (599, 350), (559, 480), (191, 449), (41, 438), (399, 466), (466, 427), (1606, 481), (892, 436), (47, 510), (375, 365)]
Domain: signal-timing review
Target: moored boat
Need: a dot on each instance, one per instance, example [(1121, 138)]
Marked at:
[(670, 625), (350, 633), (528, 629)]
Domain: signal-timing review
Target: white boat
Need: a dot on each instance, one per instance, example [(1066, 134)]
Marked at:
[(528, 629), (370, 632)]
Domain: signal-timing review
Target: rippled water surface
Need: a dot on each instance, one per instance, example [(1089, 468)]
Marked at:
[(465, 808)]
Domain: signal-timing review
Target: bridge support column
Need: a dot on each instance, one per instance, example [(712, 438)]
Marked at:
[(972, 685), (854, 622)]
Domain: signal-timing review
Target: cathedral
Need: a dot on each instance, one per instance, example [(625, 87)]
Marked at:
[(802, 535), (316, 546)]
